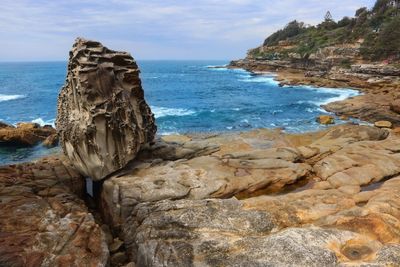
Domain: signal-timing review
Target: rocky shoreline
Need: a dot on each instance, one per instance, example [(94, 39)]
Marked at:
[(378, 84), (327, 197), (257, 198)]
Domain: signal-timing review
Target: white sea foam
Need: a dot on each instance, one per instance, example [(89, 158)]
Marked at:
[(341, 94), (42, 122), (163, 112), (215, 66), (260, 79), (168, 133), (10, 97)]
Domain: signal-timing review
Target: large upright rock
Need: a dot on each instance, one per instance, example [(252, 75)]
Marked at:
[(102, 118)]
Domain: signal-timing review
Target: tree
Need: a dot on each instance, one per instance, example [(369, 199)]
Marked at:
[(345, 21), (361, 11), (389, 40), (328, 16), (292, 29)]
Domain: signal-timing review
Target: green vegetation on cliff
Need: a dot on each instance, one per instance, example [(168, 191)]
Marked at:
[(378, 31)]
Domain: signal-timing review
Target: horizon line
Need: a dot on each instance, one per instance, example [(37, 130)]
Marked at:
[(59, 60)]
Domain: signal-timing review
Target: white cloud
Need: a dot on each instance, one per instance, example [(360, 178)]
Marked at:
[(157, 29)]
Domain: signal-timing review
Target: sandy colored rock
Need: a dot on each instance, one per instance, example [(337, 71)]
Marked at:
[(395, 106), (102, 118), (198, 169), (383, 124), (25, 134), (227, 233), (328, 198), (175, 138), (43, 221), (51, 141), (396, 131), (325, 119)]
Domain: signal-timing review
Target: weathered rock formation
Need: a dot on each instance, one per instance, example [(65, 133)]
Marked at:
[(43, 221), (25, 134), (103, 119), (261, 198)]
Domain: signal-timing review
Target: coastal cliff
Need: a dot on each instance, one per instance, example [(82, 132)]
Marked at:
[(360, 52)]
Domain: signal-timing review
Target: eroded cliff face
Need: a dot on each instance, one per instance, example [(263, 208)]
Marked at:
[(102, 119)]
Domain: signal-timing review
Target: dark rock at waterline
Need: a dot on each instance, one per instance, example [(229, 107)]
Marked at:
[(25, 134), (102, 119), (5, 125)]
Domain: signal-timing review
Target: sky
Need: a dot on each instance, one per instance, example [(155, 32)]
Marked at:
[(44, 30)]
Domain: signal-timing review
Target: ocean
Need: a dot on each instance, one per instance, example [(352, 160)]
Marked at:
[(185, 96)]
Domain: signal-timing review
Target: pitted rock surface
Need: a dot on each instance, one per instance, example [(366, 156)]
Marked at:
[(102, 119)]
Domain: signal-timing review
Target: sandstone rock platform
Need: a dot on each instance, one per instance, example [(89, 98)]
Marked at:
[(261, 198)]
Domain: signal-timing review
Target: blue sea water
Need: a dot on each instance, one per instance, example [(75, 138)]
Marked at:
[(185, 96)]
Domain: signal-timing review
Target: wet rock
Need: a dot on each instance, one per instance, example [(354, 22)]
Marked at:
[(25, 134), (43, 221), (102, 119), (325, 119), (372, 106), (5, 125), (383, 124), (51, 141)]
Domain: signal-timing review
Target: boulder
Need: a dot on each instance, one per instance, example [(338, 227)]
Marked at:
[(25, 134), (325, 119), (51, 141), (383, 124), (102, 119)]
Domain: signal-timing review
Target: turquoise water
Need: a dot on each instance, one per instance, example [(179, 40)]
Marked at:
[(185, 96)]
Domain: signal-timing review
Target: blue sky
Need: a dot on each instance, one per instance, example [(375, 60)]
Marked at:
[(153, 29)]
